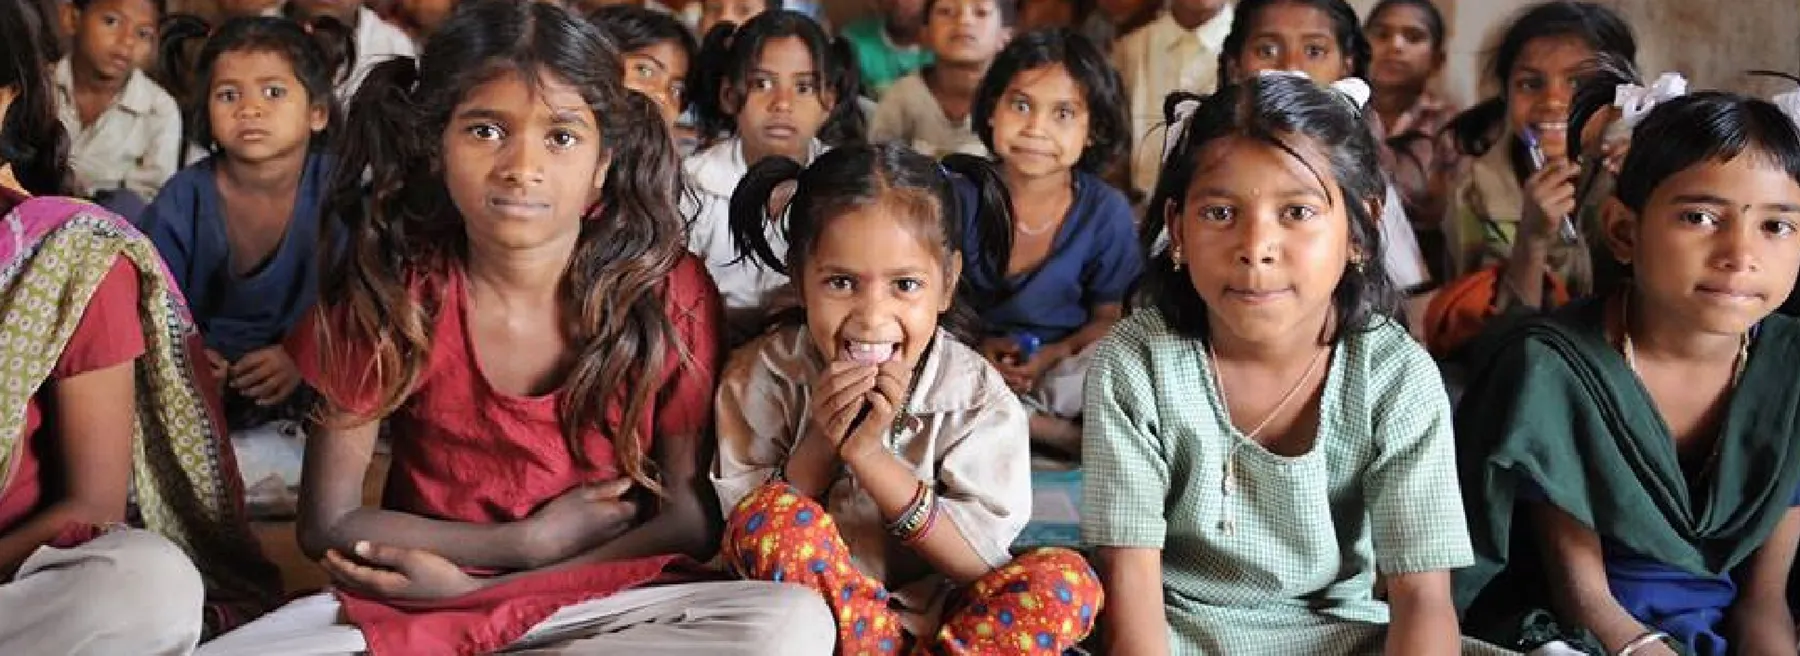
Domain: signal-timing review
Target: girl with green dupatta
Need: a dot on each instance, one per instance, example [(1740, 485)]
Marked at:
[(1630, 462)]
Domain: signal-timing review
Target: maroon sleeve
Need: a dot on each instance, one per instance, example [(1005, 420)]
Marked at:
[(686, 404), (345, 375), (111, 331)]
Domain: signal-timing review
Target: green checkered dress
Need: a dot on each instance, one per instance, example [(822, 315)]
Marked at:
[(1295, 572)]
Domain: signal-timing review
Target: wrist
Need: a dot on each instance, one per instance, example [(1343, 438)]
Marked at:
[(858, 454)]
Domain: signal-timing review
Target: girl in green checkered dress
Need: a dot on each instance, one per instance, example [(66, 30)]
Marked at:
[(1265, 440)]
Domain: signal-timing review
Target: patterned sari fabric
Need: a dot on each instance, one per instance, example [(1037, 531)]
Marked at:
[(53, 254), (1040, 603)]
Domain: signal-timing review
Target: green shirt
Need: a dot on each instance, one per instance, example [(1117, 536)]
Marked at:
[(1295, 575), (882, 63)]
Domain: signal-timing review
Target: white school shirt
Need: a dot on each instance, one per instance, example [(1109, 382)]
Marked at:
[(134, 144), (1156, 60), (745, 285), (910, 115), (376, 41)]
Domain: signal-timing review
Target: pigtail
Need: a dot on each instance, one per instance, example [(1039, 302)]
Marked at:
[(176, 56), (1477, 128), (367, 244), (1179, 111), (990, 222), (846, 122), (749, 211), (336, 44), (709, 78), (1597, 91)]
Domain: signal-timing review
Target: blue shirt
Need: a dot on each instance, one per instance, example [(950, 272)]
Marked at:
[(1094, 260), (238, 314)]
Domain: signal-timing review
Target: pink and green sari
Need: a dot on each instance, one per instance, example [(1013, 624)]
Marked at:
[(54, 252)]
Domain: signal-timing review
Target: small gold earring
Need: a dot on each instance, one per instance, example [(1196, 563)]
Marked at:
[(1175, 254), (1356, 265)]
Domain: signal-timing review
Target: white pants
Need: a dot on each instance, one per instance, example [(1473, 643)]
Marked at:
[(126, 592), (728, 618), (1061, 391)]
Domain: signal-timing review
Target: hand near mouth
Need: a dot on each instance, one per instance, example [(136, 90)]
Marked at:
[(883, 403), (838, 396)]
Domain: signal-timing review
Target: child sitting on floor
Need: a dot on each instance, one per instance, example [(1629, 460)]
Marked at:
[(865, 451)]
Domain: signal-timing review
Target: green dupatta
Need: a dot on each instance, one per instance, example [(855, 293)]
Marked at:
[(1553, 403)]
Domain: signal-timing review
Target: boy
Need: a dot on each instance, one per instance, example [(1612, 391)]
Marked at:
[(1177, 51), (124, 130), (929, 110)]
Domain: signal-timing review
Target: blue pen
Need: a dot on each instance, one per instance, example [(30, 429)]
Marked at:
[(1567, 228), (1029, 345)]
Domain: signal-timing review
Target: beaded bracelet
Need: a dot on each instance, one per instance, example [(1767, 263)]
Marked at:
[(919, 535), (915, 513)]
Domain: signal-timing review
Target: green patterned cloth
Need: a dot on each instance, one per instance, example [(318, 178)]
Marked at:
[(1297, 575), (53, 254)]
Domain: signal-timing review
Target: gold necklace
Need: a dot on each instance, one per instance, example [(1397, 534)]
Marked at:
[(1228, 485)]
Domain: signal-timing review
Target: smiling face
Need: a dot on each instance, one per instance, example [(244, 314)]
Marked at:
[(1540, 86), (111, 36), (257, 108), (785, 102), (523, 166), (1717, 245), (659, 71), (1264, 238), (1041, 125), (965, 32), (1405, 55), (874, 288), (1293, 37)]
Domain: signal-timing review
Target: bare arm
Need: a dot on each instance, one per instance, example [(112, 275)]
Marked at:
[(1134, 620), (94, 414), (892, 485), (332, 514), (1761, 622), (1423, 615), (686, 519), (1577, 572)]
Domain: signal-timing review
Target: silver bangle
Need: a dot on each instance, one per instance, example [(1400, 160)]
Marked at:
[(1642, 641)]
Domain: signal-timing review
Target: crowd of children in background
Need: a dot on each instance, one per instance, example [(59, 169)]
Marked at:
[(707, 328)]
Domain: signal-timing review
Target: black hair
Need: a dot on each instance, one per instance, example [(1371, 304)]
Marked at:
[(730, 52), (320, 55), (1710, 126), (32, 140), (1009, 11), (1291, 114), (1604, 31), (634, 28), (1109, 128), (1344, 27), (855, 177), (1598, 89), (179, 39), (389, 199), (1434, 18), (162, 6)]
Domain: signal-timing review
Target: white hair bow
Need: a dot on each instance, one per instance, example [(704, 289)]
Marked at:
[(1789, 103), (1635, 102), (1354, 90)]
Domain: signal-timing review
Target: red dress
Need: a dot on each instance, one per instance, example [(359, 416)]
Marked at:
[(463, 451), (109, 334)]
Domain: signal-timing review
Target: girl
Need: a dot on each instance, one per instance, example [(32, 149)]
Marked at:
[(1642, 438), (104, 419), (657, 50), (929, 110), (125, 130), (773, 84), (1264, 440), (1052, 278), (1408, 50), (239, 229), (1322, 39), (865, 452), (513, 302), (1505, 209)]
